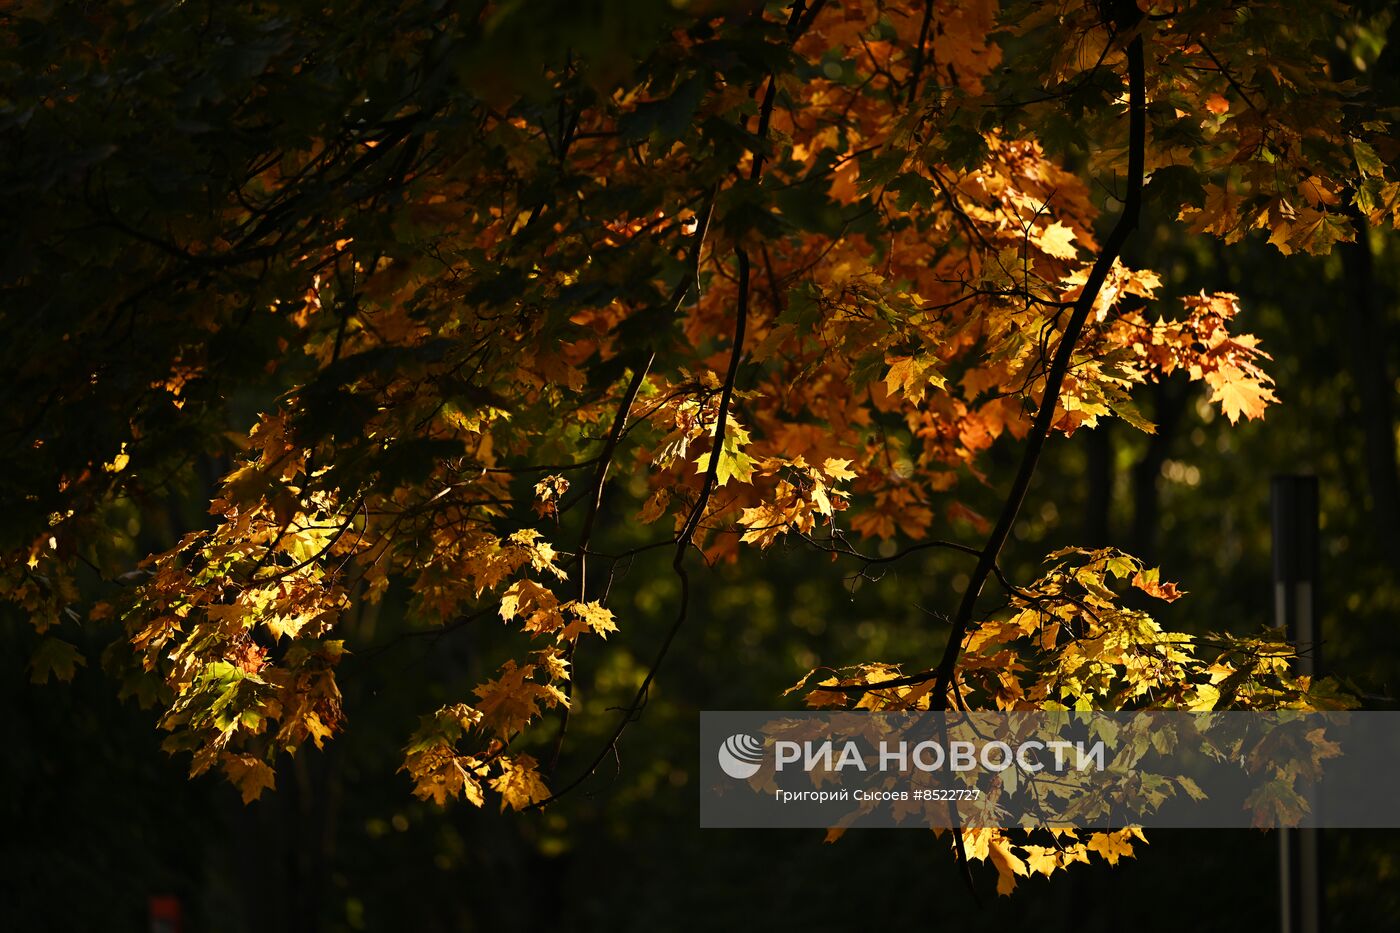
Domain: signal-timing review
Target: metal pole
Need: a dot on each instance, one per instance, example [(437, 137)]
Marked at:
[(1295, 537)]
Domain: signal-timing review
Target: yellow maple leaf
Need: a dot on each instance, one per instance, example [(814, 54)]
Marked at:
[(589, 617), (1055, 240), (1203, 699), (509, 702), (535, 603), (838, 470), (250, 775), (1008, 864), (912, 376), (818, 699), (1114, 845), (317, 728), (554, 662), (1042, 860), (471, 787), (976, 842), (1238, 394), (519, 783), (764, 523)]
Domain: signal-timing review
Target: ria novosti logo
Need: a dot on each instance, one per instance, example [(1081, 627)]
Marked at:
[(740, 756)]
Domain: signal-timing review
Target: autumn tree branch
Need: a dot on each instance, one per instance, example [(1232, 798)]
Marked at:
[(799, 21), (684, 538), (1127, 222), (1054, 379), (916, 70), (691, 280)]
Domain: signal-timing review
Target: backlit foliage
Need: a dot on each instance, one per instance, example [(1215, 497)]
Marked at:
[(800, 266)]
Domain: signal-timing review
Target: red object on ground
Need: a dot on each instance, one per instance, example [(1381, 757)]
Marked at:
[(164, 911)]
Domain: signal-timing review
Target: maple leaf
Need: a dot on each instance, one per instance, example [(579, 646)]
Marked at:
[(1239, 393), (119, 462), (733, 463), (588, 617), (470, 787), (519, 782), (1192, 789), (1008, 864), (1315, 232), (555, 663), (539, 553), (317, 728), (440, 774), (1112, 846), (1055, 240), (509, 702), (912, 376), (1203, 698), (535, 603), (977, 842), (838, 470), (764, 523), (820, 699), (1149, 583), (1220, 215), (1276, 804), (1367, 161), (250, 775), (872, 524), (54, 658), (548, 492), (1042, 860), (655, 506)]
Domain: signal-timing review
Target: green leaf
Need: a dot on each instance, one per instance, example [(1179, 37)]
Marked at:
[(1367, 161), (913, 189), (664, 120), (55, 657), (1129, 412)]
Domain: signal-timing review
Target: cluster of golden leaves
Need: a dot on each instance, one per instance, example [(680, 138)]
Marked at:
[(890, 343), (1068, 644)]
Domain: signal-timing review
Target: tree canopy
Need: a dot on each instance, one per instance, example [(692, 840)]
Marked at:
[(338, 326)]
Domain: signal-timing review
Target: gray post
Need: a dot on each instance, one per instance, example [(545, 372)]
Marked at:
[(1295, 536)]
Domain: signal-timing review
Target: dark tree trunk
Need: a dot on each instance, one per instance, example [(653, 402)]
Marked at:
[(1098, 454), (1367, 346), (1169, 404)]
